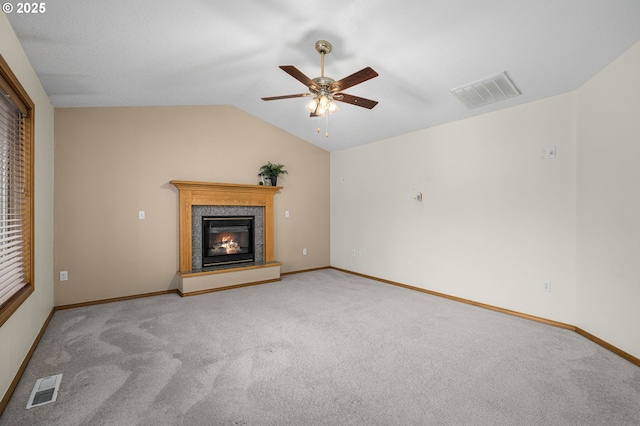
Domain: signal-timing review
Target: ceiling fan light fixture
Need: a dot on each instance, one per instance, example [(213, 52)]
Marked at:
[(324, 101), (322, 104), (312, 105)]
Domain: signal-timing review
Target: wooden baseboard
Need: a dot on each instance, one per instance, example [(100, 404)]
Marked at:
[(115, 299), (305, 270), (632, 359), (23, 366), (176, 291)]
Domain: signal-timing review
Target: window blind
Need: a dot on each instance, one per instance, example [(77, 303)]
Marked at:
[(13, 182)]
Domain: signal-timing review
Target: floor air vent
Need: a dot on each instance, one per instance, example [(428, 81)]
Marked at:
[(486, 91), (44, 391)]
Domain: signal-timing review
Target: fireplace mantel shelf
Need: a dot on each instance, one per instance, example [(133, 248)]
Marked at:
[(223, 194), (191, 185)]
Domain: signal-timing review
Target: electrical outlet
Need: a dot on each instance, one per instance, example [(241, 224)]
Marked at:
[(353, 252), (304, 251), (64, 275), (547, 286), (141, 214), (286, 213)]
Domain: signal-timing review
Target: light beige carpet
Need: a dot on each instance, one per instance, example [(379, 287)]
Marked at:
[(320, 348)]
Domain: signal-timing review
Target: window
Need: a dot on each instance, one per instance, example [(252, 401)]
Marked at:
[(16, 193)]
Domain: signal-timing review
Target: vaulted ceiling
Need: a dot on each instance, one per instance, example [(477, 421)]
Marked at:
[(94, 53)]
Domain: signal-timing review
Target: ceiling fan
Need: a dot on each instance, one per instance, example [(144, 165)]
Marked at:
[(326, 90)]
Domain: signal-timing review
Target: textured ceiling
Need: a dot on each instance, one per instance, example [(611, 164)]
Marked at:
[(206, 52)]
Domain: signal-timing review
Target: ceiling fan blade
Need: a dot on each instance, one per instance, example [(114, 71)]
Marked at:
[(355, 100), (355, 78), (298, 75), (275, 98)]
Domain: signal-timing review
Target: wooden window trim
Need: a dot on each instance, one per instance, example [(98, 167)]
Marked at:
[(11, 85)]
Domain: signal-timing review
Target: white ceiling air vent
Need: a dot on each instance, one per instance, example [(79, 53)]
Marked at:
[(44, 391), (486, 91)]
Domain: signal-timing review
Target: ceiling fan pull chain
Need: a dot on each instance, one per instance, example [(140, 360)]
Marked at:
[(326, 124)]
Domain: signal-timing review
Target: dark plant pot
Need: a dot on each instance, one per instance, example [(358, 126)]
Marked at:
[(274, 180)]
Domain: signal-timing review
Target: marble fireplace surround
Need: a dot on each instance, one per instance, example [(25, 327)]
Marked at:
[(198, 212), (195, 194)]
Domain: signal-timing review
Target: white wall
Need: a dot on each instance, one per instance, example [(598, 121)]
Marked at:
[(20, 331), (609, 204), (496, 220)]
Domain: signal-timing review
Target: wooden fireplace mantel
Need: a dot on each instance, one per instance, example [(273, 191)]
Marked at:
[(222, 194)]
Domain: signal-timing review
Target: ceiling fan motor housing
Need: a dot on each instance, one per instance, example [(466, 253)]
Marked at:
[(323, 84)]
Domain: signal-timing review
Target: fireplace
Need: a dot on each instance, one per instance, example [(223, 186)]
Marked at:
[(197, 200), (227, 240)]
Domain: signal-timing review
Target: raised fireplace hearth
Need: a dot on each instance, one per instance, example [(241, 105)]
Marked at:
[(226, 235)]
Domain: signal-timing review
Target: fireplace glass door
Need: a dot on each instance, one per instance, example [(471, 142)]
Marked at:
[(227, 240)]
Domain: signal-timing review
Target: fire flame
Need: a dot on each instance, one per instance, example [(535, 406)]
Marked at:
[(230, 245)]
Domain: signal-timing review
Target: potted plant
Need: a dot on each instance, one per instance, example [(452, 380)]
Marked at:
[(272, 171)]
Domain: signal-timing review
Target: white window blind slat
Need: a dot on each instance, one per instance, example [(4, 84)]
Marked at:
[(8, 234), (9, 251), (10, 288), (12, 204), (13, 276), (9, 254)]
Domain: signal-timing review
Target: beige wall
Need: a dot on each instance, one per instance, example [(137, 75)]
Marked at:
[(497, 220), (113, 162), (20, 331), (609, 203)]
